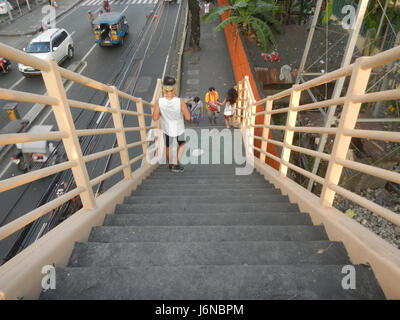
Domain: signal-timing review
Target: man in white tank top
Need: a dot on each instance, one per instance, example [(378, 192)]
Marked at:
[(171, 110)]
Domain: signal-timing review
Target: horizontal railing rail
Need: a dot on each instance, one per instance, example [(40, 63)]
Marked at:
[(359, 73)]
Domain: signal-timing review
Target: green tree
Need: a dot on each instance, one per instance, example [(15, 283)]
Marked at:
[(252, 16)]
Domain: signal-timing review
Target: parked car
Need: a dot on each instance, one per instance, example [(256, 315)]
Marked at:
[(5, 6), (53, 44)]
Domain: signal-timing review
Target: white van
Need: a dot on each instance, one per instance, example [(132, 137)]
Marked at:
[(53, 44)]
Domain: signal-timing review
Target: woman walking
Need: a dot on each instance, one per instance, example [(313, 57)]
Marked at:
[(230, 104)]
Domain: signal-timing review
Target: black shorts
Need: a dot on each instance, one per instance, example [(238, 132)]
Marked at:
[(180, 139)]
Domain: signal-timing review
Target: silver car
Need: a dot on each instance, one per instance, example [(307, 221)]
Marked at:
[(53, 44)]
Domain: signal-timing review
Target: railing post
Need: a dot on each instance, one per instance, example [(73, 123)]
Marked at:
[(119, 124), (290, 122), (65, 122), (358, 84), (242, 101), (252, 107), (142, 126), (265, 131)]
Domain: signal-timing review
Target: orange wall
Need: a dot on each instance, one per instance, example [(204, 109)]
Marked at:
[(241, 68)]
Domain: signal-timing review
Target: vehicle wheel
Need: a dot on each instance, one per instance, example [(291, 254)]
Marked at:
[(121, 43), (26, 75), (22, 165), (70, 52)]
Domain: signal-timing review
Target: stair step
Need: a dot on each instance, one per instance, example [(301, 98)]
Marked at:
[(175, 176), (128, 254), (225, 219), (216, 198), (205, 208), (203, 192), (217, 168), (202, 182), (245, 188), (204, 173), (212, 283), (206, 233)]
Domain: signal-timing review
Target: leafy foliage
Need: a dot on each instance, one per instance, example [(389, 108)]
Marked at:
[(254, 16)]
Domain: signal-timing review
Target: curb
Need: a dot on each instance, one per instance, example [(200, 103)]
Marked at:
[(35, 112), (39, 28)]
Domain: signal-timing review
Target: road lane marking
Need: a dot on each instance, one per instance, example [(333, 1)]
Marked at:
[(124, 9), (16, 83), (6, 168), (87, 54)]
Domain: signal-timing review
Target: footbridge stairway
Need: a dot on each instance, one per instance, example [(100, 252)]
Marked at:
[(209, 234), (206, 233)]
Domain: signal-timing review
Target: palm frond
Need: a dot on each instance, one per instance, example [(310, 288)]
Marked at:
[(215, 13), (227, 21)]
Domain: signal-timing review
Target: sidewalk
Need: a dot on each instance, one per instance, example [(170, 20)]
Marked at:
[(31, 22), (209, 67)]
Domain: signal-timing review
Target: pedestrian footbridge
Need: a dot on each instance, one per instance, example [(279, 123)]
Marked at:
[(216, 231)]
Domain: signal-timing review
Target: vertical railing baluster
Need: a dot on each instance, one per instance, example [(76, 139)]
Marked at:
[(357, 86), (121, 136), (290, 122), (142, 126), (65, 122), (265, 131)]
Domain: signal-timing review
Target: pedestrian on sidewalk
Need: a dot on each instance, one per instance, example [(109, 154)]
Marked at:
[(206, 7), (211, 99), (196, 111), (230, 105), (172, 109), (91, 18)]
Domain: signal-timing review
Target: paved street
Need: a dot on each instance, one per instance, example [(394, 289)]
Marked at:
[(133, 68)]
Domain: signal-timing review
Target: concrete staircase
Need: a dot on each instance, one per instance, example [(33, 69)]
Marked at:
[(209, 234)]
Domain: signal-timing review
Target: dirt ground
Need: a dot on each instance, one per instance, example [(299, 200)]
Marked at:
[(326, 52)]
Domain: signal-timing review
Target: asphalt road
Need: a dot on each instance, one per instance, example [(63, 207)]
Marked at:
[(149, 51)]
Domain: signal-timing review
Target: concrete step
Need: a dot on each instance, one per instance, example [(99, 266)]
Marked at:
[(216, 198), (204, 192), (202, 175), (215, 168), (206, 208), (244, 187), (128, 254), (201, 182), (204, 179), (202, 219), (206, 233), (212, 283)]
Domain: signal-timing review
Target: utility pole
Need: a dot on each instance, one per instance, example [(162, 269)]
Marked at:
[(351, 43), (309, 40)]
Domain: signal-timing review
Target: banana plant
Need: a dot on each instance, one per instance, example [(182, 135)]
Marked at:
[(253, 16)]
